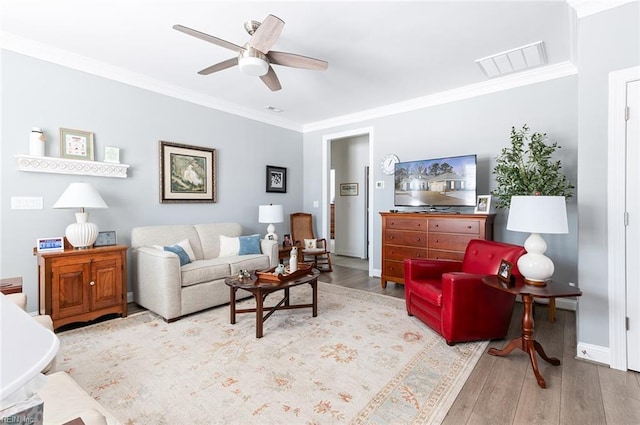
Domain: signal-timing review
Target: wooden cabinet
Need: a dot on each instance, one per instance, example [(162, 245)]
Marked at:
[(82, 285), (428, 235)]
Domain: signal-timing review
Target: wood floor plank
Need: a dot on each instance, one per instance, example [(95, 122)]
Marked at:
[(621, 396)]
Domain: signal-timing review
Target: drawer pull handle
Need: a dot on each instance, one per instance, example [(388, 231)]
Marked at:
[(92, 283)]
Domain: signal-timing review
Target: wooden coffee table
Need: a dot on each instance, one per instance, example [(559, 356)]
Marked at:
[(526, 342), (261, 289)]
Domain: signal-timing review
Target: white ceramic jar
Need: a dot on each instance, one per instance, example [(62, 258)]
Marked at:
[(36, 142)]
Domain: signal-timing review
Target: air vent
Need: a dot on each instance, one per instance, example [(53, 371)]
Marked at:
[(515, 60)]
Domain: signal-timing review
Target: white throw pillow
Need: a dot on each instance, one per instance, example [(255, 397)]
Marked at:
[(229, 246), (310, 244), (185, 245)]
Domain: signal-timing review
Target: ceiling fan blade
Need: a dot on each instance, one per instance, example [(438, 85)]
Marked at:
[(209, 38), (267, 34), (219, 66), (271, 80), (296, 61)]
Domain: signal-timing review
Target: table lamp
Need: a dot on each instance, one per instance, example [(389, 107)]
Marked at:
[(271, 214), (536, 215), (81, 234)]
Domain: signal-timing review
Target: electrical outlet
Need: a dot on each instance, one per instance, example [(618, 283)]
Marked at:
[(26, 203), (316, 204)]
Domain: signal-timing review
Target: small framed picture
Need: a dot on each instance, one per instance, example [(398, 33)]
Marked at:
[(276, 179), (287, 241), (106, 238), (504, 271), (112, 154), (348, 189), (483, 204), (76, 144)]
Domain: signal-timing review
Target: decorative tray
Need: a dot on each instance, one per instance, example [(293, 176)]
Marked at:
[(270, 276)]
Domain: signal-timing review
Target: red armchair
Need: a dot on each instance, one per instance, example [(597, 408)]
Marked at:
[(449, 296)]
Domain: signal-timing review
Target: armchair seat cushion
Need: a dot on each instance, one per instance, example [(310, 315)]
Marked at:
[(429, 291)]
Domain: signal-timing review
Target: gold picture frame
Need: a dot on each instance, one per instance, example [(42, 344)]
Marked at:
[(348, 189), (76, 144), (187, 173)]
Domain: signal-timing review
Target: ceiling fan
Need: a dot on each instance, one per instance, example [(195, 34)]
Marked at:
[(256, 57)]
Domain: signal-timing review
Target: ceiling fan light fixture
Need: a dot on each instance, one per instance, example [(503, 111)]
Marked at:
[(253, 66)]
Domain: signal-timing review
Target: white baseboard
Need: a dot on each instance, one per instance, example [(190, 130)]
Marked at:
[(593, 353), (376, 272)]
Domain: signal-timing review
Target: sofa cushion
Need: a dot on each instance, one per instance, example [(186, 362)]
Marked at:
[(165, 235), (249, 262), (209, 236), (241, 245), (205, 271), (182, 249)]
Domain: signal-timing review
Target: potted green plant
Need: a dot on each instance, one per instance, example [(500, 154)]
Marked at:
[(526, 168)]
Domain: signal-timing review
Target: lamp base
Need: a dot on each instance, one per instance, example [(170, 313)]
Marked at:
[(81, 235), (538, 283)]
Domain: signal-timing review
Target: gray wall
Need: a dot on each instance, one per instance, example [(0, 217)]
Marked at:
[(40, 94), (608, 41), (480, 125)]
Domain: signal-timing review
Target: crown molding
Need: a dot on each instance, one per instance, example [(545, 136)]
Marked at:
[(81, 63), (591, 7), (507, 82)]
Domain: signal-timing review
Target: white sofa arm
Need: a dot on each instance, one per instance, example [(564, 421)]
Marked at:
[(157, 282), (271, 248)]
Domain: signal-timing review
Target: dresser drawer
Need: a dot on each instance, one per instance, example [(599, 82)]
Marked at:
[(394, 269), (455, 226), (446, 255), (406, 223), (449, 242), (406, 238), (393, 252)]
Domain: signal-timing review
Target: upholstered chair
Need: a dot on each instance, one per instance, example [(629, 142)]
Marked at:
[(449, 296)]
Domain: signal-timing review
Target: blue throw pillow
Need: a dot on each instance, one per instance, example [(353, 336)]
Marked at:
[(249, 245), (182, 254)]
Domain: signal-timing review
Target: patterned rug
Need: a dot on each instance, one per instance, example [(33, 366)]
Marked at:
[(362, 360)]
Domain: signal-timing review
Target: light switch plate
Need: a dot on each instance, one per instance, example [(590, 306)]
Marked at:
[(26, 203)]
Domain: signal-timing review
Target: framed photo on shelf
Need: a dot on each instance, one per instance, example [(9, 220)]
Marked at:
[(483, 204), (76, 144), (287, 241), (504, 271), (112, 154), (348, 189), (187, 173), (276, 179)]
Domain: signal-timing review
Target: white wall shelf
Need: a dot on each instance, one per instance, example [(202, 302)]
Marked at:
[(45, 164)]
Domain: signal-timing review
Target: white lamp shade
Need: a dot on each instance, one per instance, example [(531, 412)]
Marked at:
[(270, 214), (80, 195), (538, 214)]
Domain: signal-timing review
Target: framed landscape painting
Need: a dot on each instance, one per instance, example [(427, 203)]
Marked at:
[(187, 173)]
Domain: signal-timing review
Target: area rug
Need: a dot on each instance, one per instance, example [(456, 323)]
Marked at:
[(362, 360)]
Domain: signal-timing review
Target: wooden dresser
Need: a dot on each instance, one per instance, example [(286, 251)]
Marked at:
[(428, 235), (82, 285)]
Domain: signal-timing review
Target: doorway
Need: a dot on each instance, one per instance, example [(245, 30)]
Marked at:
[(349, 154)]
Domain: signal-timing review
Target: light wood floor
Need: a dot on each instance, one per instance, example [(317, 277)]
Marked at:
[(503, 390)]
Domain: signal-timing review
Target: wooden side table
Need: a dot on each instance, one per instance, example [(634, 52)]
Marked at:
[(11, 285), (526, 342)]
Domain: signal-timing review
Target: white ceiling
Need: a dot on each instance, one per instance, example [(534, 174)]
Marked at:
[(379, 53)]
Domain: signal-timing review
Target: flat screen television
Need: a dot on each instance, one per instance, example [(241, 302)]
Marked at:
[(436, 183)]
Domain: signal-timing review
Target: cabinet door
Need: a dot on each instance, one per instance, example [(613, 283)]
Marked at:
[(70, 290), (106, 282)]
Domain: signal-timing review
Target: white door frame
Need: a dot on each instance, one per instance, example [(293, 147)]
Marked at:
[(615, 212), (326, 193)]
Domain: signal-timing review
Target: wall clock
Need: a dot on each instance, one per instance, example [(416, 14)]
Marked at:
[(106, 238), (388, 163)]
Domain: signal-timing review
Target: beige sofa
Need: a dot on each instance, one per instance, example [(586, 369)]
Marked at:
[(171, 290)]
